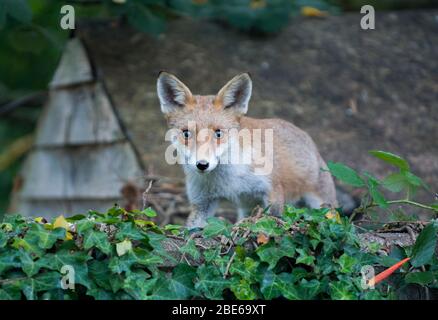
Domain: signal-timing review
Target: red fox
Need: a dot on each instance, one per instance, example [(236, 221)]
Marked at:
[(209, 130)]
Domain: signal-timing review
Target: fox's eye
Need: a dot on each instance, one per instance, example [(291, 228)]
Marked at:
[(186, 134), (218, 134)]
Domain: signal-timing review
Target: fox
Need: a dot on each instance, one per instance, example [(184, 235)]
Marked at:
[(206, 132)]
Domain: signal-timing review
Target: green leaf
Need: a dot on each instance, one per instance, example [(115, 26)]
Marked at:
[(99, 294), (422, 278), (377, 196), (136, 256), (309, 289), (271, 252), (346, 263), (268, 226), (391, 159), (41, 282), (46, 238), (84, 225), (8, 260), (247, 269), (140, 285), (123, 247), (145, 257), (100, 273), (216, 227), (341, 290), (243, 291), (270, 285), (210, 283), (9, 294), (305, 258), (424, 247), (156, 241), (149, 212), (190, 249), (178, 286), (93, 238), (3, 239), (29, 266), (345, 174), (395, 182), (128, 230)]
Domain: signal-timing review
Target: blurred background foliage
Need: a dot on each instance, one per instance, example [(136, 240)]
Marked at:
[(31, 43)]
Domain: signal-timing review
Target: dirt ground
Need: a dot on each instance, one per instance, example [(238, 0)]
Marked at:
[(351, 90)]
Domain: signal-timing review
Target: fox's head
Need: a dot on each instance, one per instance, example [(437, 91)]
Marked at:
[(201, 125)]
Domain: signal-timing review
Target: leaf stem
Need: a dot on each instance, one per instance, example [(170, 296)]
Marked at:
[(407, 201)]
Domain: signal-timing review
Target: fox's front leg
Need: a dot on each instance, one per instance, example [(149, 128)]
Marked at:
[(276, 200), (201, 211)]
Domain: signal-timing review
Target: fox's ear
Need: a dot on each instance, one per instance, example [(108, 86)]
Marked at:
[(236, 93), (173, 94)]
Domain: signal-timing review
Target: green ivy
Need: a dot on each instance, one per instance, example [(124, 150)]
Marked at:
[(305, 255)]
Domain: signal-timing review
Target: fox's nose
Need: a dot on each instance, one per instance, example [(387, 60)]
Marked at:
[(202, 165)]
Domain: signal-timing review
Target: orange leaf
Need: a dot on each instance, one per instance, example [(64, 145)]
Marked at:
[(386, 273), (312, 12), (262, 238)]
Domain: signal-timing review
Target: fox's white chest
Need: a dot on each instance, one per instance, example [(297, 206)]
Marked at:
[(232, 182)]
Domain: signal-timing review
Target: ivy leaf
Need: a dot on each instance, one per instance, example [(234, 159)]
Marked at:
[(8, 260), (305, 258), (391, 159), (140, 285), (271, 252), (190, 249), (99, 294), (101, 274), (270, 285), (424, 247), (42, 282), (345, 174), (156, 241), (178, 286), (341, 290), (210, 283), (145, 257), (29, 266), (216, 227), (123, 247), (60, 222), (93, 238), (28, 243), (243, 291), (46, 238), (127, 230), (346, 263), (247, 269), (266, 225), (309, 289), (84, 225), (3, 239), (9, 294), (122, 264)]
